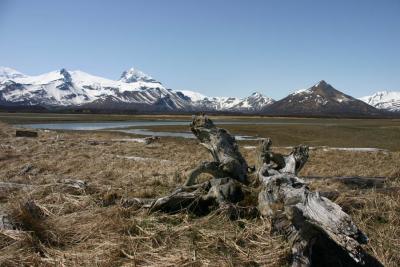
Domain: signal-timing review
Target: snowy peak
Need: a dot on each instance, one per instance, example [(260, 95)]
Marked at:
[(386, 100), (258, 95), (133, 75), (256, 101), (9, 73)]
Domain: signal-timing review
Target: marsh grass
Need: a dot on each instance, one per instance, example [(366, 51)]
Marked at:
[(90, 228)]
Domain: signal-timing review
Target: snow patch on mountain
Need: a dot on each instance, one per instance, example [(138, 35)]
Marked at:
[(302, 91), (9, 73), (194, 96)]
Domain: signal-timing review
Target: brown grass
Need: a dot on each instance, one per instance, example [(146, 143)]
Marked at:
[(86, 228)]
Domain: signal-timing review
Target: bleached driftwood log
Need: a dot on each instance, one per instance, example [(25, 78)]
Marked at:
[(320, 233), (227, 160)]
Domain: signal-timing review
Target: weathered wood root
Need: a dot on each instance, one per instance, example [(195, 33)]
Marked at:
[(227, 160), (320, 233), (213, 168), (198, 199)]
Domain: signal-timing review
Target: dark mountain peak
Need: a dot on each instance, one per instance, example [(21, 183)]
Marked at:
[(322, 86), (66, 75), (63, 71), (321, 99), (322, 83), (325, 89), (67, 80)]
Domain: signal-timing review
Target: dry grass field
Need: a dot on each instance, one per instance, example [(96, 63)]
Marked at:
[(90, 228)]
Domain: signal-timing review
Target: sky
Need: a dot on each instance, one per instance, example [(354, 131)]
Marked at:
[(216, 47)]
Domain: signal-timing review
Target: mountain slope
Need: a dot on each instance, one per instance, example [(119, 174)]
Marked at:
[(385, 100), (320, 100)]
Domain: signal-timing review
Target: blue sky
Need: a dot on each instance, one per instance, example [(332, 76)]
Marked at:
[(215, 47)]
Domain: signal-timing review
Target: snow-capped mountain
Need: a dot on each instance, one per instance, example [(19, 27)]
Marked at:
[(386, 100), (65, 88), (134, 90), (252, 103), (320, 99)]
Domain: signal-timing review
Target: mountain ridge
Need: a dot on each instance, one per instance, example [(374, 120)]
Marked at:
[(133, 90), (139, 92)]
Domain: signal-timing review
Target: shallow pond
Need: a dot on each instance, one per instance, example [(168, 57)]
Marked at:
[(142, 123), (125, 126)]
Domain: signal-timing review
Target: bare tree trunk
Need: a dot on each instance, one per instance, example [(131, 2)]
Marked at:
[(320, 233)]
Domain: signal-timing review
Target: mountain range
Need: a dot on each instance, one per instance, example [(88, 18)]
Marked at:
[(138, 92)]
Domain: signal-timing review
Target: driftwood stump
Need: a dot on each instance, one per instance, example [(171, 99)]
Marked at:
[(227, 160), (320, 232)]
